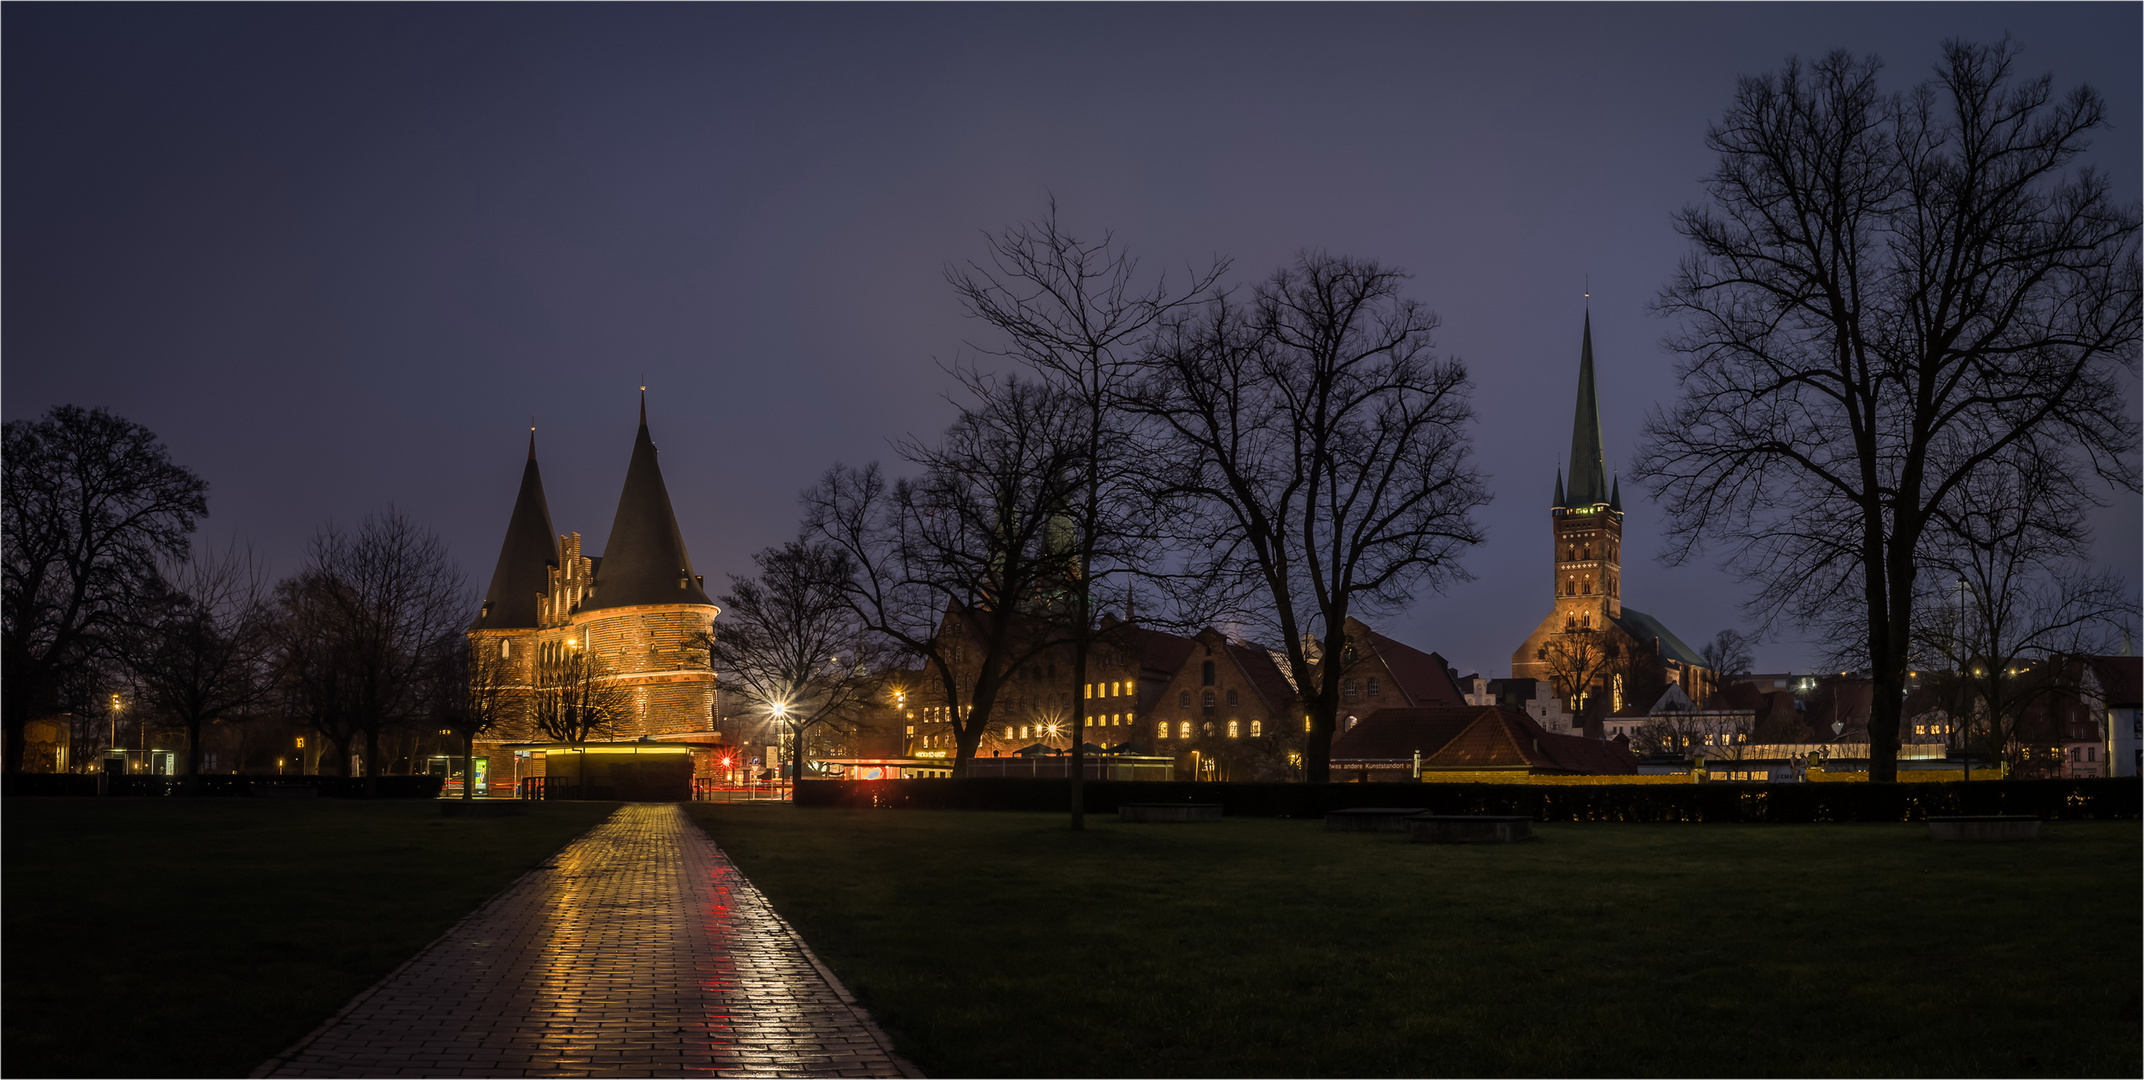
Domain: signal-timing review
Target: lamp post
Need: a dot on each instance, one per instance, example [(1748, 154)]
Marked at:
[(780, 712)]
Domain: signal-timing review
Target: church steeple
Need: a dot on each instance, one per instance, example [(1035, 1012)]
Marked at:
[(1589, 469), (525, 559), (644, 561), (1559, 503)]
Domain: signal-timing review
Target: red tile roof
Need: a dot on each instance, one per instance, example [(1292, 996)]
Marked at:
[(1259, 668), (2121, 679), (1425, 678), (1397, 733), (1477, 737)]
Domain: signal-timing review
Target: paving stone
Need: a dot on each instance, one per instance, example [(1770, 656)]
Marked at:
[(639, 951)]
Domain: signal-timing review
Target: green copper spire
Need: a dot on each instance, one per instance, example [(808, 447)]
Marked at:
[(1559, 503), (1615, 496), (1589, 471)]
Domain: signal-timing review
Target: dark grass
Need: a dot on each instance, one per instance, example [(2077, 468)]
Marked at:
[(1000, 944), (200, 937)]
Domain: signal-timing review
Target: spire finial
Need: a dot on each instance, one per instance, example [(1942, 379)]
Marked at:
[(643, 400), (532, 436)]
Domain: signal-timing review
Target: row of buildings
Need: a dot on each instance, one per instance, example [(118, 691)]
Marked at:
[(1598, 687)]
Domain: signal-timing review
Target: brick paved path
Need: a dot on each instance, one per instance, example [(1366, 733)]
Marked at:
[(641, 951)]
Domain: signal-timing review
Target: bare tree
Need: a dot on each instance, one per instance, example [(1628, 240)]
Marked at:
[(1887, 297), (199, 648), (950, 567), (474, 692), (92, 501), (1728, 653), (575, 698), (1577, 663), (1326, 452), (792, 644), (1073, 310), (2009, 594), (359, 621)]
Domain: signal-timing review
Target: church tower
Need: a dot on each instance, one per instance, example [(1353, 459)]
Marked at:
[(1622, 656), (1587, 517)]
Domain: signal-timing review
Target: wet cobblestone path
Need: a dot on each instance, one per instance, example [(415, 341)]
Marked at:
[(639, 950)]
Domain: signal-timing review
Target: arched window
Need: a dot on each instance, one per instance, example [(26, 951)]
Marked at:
[(1209, 727), (1257, 729), (506, 648), (1350, 724), (1587, 588), (1231, 699), (1206, 700), (1232, 731), (1183, 730), (1206, 673), (1372, 688), (1161, 730)]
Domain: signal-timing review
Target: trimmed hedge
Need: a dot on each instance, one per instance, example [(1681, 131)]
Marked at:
[(2066, 800), (221, 786)]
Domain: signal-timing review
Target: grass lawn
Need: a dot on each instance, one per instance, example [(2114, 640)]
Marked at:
[(1002, 944), (199, 937)]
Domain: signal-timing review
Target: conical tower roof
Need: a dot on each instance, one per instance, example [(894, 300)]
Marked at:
[(531, 549), (644, 561), (1559, 503), (1589, 465)]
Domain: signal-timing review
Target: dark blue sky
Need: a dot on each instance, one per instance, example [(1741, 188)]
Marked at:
[(336, 255)]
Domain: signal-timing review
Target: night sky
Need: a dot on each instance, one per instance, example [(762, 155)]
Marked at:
[(336, 256)]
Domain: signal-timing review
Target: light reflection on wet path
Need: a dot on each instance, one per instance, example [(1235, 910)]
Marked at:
[(642, 953)]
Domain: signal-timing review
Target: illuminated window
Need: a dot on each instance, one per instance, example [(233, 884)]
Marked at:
[(1257, 729), (1232, 732), (1306, 723), (1161, 730), (1183, 730), (1090, 689), (1206, 700), (1008, 731), (506, 648)]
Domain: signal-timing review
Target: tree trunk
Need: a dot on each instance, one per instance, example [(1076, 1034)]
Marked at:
[(17, 744), (1079, 733), (372, 762), (468, 765), (192, 783)]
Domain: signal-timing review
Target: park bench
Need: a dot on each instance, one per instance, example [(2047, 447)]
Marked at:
[(1469, 828), (1157, 813), (1371, 818), (1984, 827)]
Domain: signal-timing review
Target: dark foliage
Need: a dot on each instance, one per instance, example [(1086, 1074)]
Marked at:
[(2066, 800), (337, 787)]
